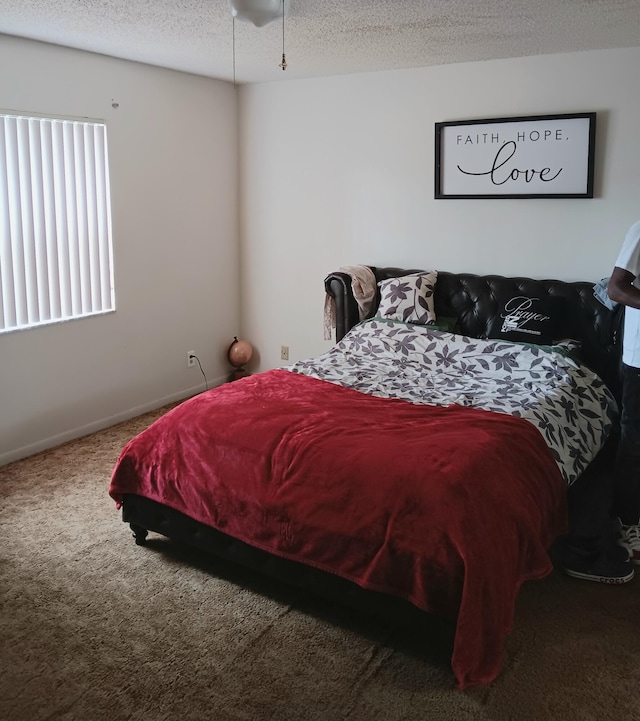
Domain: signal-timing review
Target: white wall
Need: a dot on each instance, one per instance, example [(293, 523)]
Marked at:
[(339, 171), (335, 171), (173, 162)]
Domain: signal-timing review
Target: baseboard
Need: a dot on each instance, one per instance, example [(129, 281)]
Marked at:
[(99, 425)]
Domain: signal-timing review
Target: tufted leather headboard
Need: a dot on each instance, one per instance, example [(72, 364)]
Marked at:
[(472, 299)]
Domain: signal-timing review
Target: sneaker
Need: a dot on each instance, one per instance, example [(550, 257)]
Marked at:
[(630, 540), (607, 565)]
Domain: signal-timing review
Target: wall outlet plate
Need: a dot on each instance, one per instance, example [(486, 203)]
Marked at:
[(191, 358)]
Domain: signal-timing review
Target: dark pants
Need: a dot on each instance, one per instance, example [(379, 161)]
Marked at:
[(626, 477)]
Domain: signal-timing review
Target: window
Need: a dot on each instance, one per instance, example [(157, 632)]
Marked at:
[(55, 221)]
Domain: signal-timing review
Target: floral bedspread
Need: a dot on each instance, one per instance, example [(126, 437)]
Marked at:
[(568, 403)]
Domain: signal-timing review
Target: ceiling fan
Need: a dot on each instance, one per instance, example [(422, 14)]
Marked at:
[(260, 13)]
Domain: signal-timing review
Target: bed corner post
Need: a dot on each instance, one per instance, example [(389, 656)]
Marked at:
[(139, 533)]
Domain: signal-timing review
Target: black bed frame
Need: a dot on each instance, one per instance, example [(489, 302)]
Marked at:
[(472, 299)]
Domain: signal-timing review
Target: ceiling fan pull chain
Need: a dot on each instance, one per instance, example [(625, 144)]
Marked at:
[(283, 64)]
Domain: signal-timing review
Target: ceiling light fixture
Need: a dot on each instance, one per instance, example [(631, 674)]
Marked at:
[(258, 12)]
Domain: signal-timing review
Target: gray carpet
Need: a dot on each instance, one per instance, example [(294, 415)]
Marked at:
[(94, 627)]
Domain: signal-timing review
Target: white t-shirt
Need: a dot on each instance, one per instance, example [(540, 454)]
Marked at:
[(629, 259)]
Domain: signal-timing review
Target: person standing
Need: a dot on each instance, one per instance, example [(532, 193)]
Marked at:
[(624, 288)]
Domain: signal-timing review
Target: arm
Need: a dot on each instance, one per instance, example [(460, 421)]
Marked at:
[(621, 289)]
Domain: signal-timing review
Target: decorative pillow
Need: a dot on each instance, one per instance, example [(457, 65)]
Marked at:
[(445, 323), (408, 298), (527, 320)]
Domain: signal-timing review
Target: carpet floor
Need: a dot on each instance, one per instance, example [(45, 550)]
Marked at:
[(94, 627)]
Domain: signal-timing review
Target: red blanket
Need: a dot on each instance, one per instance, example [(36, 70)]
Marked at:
[(450, 508)]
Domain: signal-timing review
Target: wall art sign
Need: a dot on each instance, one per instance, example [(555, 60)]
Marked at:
[(539, 156)]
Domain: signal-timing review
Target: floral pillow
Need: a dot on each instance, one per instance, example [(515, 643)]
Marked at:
[(408, 298)]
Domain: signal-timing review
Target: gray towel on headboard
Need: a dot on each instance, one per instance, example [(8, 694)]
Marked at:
[(600, 292), (363, 284)]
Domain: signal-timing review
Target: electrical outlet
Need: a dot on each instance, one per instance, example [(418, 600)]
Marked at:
[(191, 358), (284, 352)]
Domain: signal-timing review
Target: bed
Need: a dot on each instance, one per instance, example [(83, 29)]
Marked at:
[(419, 467)]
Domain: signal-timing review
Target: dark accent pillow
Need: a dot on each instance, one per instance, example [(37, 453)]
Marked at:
[(526, 320), (445, 323)]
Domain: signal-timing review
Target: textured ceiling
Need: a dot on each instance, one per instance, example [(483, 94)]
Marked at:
[(324, 37)]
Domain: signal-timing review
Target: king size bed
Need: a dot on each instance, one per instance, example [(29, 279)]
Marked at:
[(421, 463)]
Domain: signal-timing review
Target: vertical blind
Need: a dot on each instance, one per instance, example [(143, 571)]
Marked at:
[(55, 221)]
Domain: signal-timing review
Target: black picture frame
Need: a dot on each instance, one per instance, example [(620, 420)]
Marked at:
[(533, 156)]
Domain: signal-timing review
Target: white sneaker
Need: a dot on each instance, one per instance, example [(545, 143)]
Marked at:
[(630, 539)]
